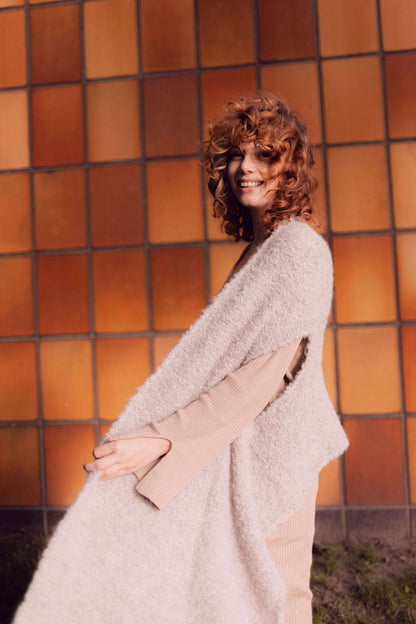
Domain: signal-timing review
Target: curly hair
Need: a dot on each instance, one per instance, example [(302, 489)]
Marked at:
[(266, 120)]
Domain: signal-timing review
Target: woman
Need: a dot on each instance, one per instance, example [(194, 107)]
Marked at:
[(226, 448)]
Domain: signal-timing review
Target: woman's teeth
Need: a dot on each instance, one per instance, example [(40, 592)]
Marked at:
[(250, 184)]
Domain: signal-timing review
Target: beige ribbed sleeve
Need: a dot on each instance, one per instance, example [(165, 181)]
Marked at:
[(204, 428)]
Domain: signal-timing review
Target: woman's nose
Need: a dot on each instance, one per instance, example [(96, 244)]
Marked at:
[(247, 163)]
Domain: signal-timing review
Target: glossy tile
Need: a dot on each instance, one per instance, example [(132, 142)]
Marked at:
[(400, 72), (368, 370), (328, 365), (110, 38), (66, 379), (18, 394), (225, 32), (364, 279), (353, 99), (113, 120), (14, 130), (329, 492), (119, 291), (403, 167), (16, 300), (374, 462), (11, 3), (171, 115), (60, 219), (116, 205), (19, 460), (286, 29), (15, 230), (174, 201), (214, 231), (409, 367), (222, 258), (67, 448), (167, 31), (298, 83), (162, 345), (122, 366), (406, 261), (63, 294), (178, 287), (57, 127), (411, 450), (398, 23), (52, 30), (12, 49), (340, 32)]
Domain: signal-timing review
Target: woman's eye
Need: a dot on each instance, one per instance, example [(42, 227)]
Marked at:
[(235, 155)]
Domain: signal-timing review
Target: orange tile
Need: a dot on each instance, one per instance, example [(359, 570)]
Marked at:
[(225, 32), (363, 204), (122, 366), (298, 83), (364, 279), (66, 369), (353, 99), (19, 466), (171, 115), (12, 49), (214, 230), (14, 130), (60, 220), (52, 30), (340, 31), (287, 29), (398, 23), (329, 485), (67, 448), (162, 345), (119, 291), (116, 186), (18, 394), (411, 442), (220, 86), (406, 260), (178, 286), (221, 260), (403, 166), (328, 365), (369, 370), (167, 30), (110, 38), (16, 300), (63, 294), (11, 3), (409, 366), (15, 230), (401, 93), (113, 120), (174, 201), (57, 127), (319, 199)]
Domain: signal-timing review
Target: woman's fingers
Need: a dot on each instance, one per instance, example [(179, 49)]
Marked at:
[(104, 449), (100, 464)]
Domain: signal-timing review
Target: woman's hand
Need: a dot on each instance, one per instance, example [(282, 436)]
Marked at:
[(121, 457)]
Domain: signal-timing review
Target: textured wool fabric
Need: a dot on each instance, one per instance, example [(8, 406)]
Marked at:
[(116, 558)]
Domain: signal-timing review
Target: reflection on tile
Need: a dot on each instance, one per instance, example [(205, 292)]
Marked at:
[(329, 485), (398, 22), (368, 524), (369, 370), (287, 29), (411, 449), (328, 365), (409, 366), (178, 287), (52, 30), (60, 220), (406, 261), (167, 30), (403, 167), (225, 32), (401, 93), (122, 366), (364, 279), (221, 260), (15, 231), (174, 201), (66, 367), (19, 460), (18, 395), (116, 205), (16, 309), (340, 31), (374, 462), (67, 448), (14, 130), (363, 205), (110, 38), (162, 345), (12, 49), (113, 120), (119, 291)]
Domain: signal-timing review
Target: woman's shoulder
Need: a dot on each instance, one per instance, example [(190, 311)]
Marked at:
[(297, 238)]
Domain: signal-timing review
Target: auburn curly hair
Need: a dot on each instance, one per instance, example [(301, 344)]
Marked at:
[(266, 120)]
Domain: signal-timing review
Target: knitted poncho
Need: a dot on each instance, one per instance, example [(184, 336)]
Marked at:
[(116, 558)]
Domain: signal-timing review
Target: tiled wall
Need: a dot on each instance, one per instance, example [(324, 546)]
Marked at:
[(108, 250)]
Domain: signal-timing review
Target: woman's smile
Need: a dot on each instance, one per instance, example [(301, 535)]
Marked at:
[(251, 177)]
